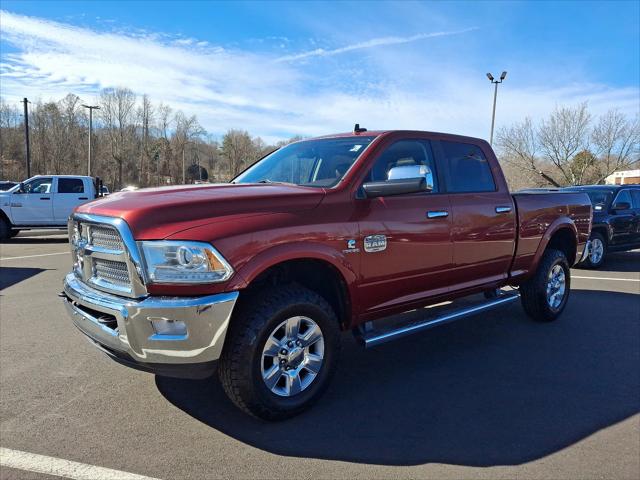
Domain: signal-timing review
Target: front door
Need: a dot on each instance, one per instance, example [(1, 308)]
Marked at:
[(33, 206), (405, 246)]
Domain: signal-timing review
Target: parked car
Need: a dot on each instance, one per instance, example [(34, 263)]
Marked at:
[(6, 185), (43, 201), (616, 220), (258, 277)]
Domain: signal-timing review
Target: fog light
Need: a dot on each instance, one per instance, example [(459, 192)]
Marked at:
[(164, 326)]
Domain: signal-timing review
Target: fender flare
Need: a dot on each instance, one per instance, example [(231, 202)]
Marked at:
[(561, 223), (298, 251)]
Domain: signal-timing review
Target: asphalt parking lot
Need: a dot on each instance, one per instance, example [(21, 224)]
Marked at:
[(495, 396)]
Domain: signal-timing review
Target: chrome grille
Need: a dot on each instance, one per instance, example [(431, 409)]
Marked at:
[(103, 252), (106, 237), (111, 271)]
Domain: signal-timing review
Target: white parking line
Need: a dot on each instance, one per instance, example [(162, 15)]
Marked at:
[(32, 462), (2, 259), (610, 278)]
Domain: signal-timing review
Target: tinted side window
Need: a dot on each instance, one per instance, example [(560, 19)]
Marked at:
[(70, 185), (624, 196), (635, 196), (469, 170), (404, 153)]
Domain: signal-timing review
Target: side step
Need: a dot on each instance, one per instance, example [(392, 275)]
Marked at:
[(371, 338)]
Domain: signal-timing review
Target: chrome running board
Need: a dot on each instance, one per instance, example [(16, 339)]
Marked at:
[(371, 338)]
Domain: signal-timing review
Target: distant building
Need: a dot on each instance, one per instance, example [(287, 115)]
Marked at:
[(623, 177)]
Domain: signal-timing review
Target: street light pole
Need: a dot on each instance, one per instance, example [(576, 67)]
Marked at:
[(91, 109), (495, 96), (26, 136)]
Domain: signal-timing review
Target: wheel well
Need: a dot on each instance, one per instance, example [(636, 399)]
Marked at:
[(565, 241), (3, 216), (317, 275)]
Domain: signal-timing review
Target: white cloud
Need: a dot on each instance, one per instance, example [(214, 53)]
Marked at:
[(273, 98), (374, 42)]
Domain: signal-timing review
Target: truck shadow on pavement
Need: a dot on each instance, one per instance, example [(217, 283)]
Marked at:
[(11, 275), (485, 391)]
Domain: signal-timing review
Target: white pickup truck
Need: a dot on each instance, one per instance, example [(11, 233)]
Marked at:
[(43, 201)]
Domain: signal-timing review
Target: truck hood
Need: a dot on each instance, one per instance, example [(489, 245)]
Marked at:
[(157, 213)]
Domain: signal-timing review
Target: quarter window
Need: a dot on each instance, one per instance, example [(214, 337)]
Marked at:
[(469, 170), (70, 185)]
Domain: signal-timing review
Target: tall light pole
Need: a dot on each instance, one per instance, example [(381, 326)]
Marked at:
[(26, 136), (91, 109), (495, 95)]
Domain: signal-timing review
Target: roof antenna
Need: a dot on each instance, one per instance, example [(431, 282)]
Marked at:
[(357, 129)]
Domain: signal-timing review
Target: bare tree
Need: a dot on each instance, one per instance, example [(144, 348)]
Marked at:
[(116, 109), (520, 147), (616, 142), (187, 130), (562, 136)]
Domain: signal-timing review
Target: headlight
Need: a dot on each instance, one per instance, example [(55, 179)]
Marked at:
[(184, 262)]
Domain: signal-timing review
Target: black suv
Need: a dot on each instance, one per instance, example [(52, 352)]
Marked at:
[(616, 220)]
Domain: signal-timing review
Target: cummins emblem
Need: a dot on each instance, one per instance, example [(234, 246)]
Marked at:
[(375, 243)]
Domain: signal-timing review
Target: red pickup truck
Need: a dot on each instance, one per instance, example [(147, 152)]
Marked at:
[(258, 277)]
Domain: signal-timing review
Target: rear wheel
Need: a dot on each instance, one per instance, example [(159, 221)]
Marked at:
[(280, 353), (597, 251), (545, 295), (5, 229)]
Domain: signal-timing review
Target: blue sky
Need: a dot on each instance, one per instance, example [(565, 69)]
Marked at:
[(311, 68)]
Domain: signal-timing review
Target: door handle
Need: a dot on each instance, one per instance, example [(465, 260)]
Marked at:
[(503, 209), (83, 198), (45, 198), (437, 214)]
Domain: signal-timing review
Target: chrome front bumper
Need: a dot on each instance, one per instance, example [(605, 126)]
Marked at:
[(122, 327)]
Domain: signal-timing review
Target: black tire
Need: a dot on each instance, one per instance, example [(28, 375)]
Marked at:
[(240, 367), (5, 229), (534, 291), (588, 263)]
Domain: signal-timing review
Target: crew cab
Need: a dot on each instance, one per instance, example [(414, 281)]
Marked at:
[(616, 220), (258, 277), (43, 201)]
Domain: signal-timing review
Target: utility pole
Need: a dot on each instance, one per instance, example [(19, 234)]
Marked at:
[(91, 109), (26, 136), (495, 96)]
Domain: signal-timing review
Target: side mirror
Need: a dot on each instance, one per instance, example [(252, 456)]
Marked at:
[(394, 187), (412, 171), (20, 188), (621, 206)]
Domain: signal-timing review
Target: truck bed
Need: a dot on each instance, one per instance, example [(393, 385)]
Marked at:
[(538, 213)]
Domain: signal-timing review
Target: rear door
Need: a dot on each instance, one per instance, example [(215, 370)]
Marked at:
[(623, 220), (34, 206), (70, 193), (635, 233), (483, 228), (404, 244)]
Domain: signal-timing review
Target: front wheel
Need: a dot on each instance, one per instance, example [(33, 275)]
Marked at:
[(281, 352), (545, 295), (597, 252), (5, 229)]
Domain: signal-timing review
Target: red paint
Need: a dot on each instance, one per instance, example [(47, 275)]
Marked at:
[(426, 260)]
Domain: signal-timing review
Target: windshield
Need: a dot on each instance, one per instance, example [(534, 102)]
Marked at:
[(311, 163)]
